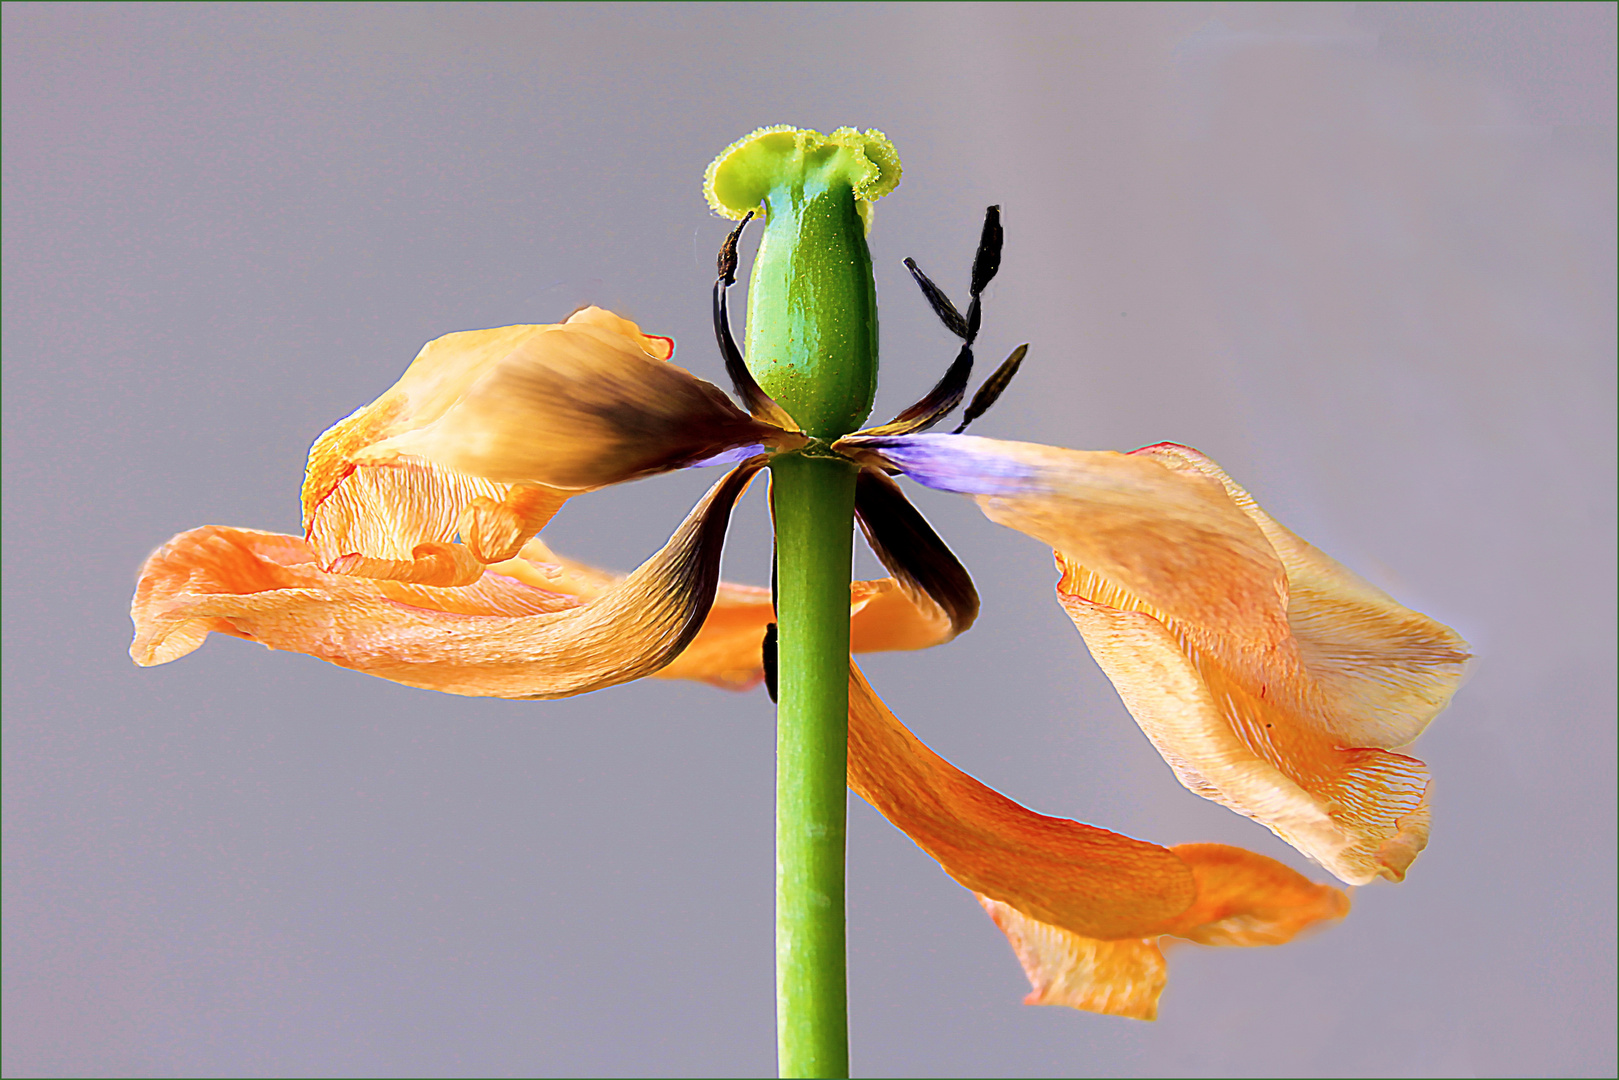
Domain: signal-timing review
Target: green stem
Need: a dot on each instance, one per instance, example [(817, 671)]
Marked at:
[(813, 500), (812, 346)]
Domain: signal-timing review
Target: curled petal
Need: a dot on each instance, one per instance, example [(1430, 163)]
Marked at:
[(1242, 899), (499, 637), (883, 617), (1386, 669), (1116, 978), (907, 545), (397, 520), (383, 514), (368, 504), (1082, 907), (1271, 679), (577, 406)]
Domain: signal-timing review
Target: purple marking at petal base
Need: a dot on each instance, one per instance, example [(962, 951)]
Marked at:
[(734, 456), (961, 463)]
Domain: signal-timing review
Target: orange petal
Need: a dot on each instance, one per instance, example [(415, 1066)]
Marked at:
[(365, 497), (1116, 978), (1175, 537), (579, 405), (1271, 679), (1086, 880), (884, 617), (1387, 670), (499, 637), (1294, 733), (726, 651), (496, 531), (1357, 811), (1242, 899), (1082, 907)]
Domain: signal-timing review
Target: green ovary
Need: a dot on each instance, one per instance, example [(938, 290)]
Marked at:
[(812, 304)]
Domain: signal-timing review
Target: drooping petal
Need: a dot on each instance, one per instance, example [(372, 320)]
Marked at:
[(499, 637), (1271, 679), (1115, 978), (884, 617), (907, 545), (1389, 670), (1087, 880), (1244, 898), (1082, 907)]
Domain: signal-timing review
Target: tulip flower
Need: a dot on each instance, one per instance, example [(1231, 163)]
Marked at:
[(1270, 678)]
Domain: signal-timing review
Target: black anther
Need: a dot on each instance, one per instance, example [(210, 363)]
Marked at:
[(988, 259), (768, 655), (941, 304), (727, 259), (992, 387)]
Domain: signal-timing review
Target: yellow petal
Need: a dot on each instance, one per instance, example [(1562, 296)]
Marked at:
[(499, 637)]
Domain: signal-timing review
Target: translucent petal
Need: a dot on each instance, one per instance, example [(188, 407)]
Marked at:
[(1271, 679), (368, 504), (500, 636)]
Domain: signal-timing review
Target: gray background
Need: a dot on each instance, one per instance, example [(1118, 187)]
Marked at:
[(1361, 255)]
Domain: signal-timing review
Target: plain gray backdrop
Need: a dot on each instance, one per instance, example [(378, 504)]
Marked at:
[(1362, 255)]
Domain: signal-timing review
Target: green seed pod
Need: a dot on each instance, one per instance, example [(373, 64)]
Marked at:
[(812, 304)]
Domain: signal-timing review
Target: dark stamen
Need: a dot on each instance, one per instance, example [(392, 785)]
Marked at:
[(992, 388), (988, 259), (727, 258), (949, 391), (941, 304), (769, 657), (937, 403), (758, 403)]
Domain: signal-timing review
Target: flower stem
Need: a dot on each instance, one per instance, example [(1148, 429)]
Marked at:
[(812, 347), (813, 501)]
